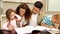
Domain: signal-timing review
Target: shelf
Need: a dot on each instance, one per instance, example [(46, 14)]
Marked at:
[(16, 2), (21, 1)]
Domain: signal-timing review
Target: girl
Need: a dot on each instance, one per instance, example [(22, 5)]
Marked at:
[(12, 18), (24, 11)]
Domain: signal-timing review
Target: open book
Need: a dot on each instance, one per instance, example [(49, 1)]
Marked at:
[(29, 29)]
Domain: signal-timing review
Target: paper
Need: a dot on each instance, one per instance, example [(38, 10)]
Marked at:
[(29, 29)]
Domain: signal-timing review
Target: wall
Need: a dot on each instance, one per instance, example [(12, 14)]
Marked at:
[(7, 5), (53, 5)]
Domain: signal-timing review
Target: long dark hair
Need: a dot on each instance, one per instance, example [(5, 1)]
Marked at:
[(27, 13)]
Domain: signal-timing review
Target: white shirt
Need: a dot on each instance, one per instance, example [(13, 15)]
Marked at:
[(23, 21), (13, 23), (33, 20)]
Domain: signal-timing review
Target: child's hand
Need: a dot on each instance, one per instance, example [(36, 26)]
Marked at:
[(18, 17), (51, 27), (57, 26), (11, 27)]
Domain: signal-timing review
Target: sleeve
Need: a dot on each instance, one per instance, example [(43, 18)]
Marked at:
[(18, 17), (45, 19), (4, 26)]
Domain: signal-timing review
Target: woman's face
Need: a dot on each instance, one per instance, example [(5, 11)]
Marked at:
[(22, 11), (12, 15)]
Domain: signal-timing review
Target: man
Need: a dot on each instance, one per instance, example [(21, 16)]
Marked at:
[(35, 13)]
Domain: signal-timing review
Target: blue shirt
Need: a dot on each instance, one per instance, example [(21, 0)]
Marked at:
[(48, 20)]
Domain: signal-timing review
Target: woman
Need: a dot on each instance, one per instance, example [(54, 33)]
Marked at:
[(24, 11), (51, 21)]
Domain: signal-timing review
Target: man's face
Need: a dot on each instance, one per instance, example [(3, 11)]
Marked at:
[(35, 10)]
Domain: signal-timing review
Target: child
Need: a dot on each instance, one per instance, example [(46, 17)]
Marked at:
[(12, 18), (51, 21)]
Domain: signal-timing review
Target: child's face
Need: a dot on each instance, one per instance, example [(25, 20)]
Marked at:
[(22, 11), (35, 10), (12, 15), (54, 20)]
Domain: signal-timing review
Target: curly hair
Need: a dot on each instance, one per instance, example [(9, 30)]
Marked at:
[(27, 13)]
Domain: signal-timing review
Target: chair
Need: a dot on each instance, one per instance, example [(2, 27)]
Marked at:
[(6, 31), (1, 32)]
